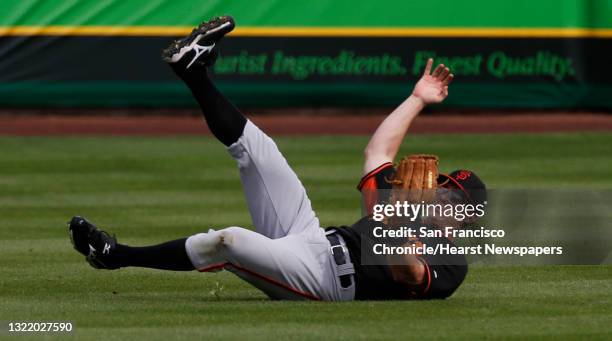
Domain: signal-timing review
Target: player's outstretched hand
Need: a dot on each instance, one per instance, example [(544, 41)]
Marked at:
[(433, 87)]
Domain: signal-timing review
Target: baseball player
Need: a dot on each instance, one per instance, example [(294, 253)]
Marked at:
[(289, 255)]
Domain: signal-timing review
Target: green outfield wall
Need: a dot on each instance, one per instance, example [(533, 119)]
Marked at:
[(516, 54)]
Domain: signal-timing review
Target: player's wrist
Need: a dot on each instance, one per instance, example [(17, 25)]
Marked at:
[(418, 101)]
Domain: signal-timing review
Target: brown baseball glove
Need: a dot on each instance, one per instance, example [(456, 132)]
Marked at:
[(415, 179)]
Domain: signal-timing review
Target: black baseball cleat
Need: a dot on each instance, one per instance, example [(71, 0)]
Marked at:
[(96, 245), (199, 46)]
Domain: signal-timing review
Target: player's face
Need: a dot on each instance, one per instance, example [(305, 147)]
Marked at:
[(447, 195), (450, 194)]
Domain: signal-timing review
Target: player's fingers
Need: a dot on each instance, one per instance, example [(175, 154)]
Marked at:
[(448, 79), (445, 72), (428, 67), (438, 70)]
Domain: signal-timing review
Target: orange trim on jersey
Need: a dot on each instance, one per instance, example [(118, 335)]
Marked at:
[(372, 173), (368, 184), (260, 276)]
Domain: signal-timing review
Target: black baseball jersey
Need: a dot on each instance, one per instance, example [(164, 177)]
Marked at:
[(443, 273)]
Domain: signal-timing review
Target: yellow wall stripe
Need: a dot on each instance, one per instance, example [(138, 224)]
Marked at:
[(94, 30), (486, 32), (426, 32)]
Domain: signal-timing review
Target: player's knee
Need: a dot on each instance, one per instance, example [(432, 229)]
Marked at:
[(214, 246), (205, 249), (229, 235), (204, 243)]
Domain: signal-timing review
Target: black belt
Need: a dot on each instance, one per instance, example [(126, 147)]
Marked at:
[(345, 267)]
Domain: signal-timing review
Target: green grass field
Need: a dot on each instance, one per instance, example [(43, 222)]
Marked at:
[(147, 190)]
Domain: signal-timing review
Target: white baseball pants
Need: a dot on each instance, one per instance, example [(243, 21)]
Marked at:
[(288, 255)]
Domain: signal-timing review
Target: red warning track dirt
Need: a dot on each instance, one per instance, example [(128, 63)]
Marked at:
[(300, 123)]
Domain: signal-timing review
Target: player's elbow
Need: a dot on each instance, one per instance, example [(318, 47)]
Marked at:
[(413, 274), (375, 157), (416, 274)]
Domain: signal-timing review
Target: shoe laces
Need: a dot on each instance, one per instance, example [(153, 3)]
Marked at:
[(100, 236)]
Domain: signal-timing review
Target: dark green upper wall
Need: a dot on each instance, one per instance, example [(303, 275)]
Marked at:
[(386, 13)]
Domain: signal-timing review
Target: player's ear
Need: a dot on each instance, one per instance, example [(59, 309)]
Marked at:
[(470, 220)]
